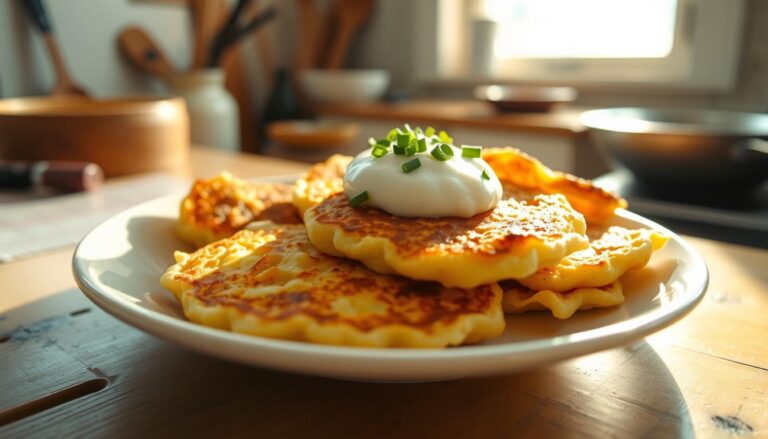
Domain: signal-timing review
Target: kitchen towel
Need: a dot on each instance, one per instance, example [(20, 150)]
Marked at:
[(31, 223)]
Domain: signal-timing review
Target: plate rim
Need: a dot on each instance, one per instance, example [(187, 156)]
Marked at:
[(596, 339)]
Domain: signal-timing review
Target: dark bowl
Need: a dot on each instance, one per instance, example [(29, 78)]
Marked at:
[(519, 98)]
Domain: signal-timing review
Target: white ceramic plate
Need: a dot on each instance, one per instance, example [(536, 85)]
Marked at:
[(118, 266)]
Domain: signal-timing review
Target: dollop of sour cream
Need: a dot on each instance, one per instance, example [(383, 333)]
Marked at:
[(455, 187)]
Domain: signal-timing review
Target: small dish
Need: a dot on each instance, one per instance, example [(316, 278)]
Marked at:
[(310, 134), (519, 98)]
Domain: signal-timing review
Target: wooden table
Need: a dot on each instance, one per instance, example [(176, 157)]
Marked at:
[(68, 369)]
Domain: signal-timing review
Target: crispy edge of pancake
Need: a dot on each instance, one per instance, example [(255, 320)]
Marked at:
[(201, 228), (320, 182), (515, 256), (453, 329), (520, 169), (615, 252), (563, 305)]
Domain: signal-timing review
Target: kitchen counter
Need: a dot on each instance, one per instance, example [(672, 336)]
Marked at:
[(562, 121), (557, 138), (69, 369)]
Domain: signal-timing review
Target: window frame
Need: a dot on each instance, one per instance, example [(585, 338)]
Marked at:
[(699, 59)]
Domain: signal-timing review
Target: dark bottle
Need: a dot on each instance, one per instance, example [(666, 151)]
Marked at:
[(281, 104)]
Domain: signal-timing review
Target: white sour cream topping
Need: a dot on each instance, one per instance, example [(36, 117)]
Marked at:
[(436, 189)]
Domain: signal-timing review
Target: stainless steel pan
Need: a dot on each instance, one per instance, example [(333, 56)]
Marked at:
[(684, 148)]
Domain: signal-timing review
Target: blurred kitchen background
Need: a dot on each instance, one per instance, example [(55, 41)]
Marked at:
[(316, 77)]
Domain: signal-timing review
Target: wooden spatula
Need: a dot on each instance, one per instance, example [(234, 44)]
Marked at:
[(64, 85), (348, 16), (205, 23), (306, 52), (143, 53)]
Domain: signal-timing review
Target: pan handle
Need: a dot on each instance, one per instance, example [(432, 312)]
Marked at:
[(749, 150), (36, 11)]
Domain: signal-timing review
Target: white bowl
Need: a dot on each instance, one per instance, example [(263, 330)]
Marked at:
[(340, 86)]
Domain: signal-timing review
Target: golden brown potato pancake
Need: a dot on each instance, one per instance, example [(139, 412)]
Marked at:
[(320, 182), (268, 280), (608, 257), (220, 206), (520, 170), (514, 239), (518, 299)]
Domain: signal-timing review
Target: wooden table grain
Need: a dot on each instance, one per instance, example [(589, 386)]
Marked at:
[(68, 369)]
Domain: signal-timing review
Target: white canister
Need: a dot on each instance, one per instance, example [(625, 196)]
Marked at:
[(213, 114), (483, 38)]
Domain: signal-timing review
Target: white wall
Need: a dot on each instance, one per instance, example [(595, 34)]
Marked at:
[(86, 31)]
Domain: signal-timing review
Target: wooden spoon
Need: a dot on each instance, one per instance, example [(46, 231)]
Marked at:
[(306, 52), (139, 48), (205, 21), (64, 85), (348, 15)]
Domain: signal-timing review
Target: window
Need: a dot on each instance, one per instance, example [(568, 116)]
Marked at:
[(582, 29), (690, 44)]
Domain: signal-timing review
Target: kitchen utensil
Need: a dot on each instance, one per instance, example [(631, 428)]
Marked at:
[(339, 86), (311, 134), (347, 16), (205, 20), (233, 31), (122, 135), (69, 176), (684, 147), (518, 98), (139, 48), (139, 244), (306, 49), (64, 85), (213, 112)]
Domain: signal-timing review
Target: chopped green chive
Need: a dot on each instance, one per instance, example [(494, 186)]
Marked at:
[(408, 128), (371, 141), (383, 142), (411, 165), (403, 140), (421, 145), (471, 152), (429, 132), (392, 134), (410, 150), (444, 137), (398, 150), (484, 175), (442, 152), (359, 199), (379, 151)]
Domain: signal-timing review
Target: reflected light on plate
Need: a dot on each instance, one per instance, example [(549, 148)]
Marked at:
[(664, 297), (126, 297)]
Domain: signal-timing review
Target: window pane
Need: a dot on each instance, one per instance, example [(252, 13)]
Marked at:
[(583, 28)]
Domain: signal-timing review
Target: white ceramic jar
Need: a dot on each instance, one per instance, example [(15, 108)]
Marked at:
[(213, 113)]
